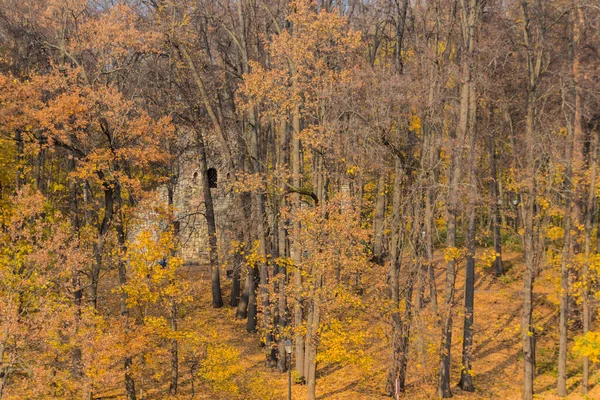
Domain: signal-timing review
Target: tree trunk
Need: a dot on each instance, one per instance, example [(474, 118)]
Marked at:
[(310, 314), (215, 276), (564, 269), (446, 320), (460, 146), (283, 251), (396, 373), (99, 245), (578, 22), (446, 344), (174, 379), (40, 162), (235, 280), (127, 361), (466, 380), (295, 245), (379, 220), (242, 308), (4, 371), (527, 332), (260, 215), (534, 65), (401, 9), (252, 306), (76, 353), (20, 159), (589, 212), (428, 223), (312, 340), (396, 248), (496, 200), (396, 380), (259, 200)]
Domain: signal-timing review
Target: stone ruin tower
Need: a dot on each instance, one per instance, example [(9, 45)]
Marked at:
[(189, 210), (188, 201)]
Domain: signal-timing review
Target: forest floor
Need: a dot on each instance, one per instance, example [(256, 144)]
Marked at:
[(497, 365)]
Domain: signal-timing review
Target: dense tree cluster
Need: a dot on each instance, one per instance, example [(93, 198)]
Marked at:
[(361, 139)]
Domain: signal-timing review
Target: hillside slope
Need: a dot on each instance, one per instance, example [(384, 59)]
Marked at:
[(497, 348)]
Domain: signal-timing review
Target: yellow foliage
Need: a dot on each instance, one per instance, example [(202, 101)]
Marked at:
[(260, 388), (543, 202), (254, 258), (344, 345), (152, 270), (219, 368), (352, 170), (555, 233), (415, 124), (488, 257), (453, 253), (588, 345)]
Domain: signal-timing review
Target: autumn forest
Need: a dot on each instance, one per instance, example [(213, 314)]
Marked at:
[(307, 199)]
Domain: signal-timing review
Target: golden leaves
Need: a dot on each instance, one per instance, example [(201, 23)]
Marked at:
[(453, 254), (588, 345), (97, 124), (306, 64), (555, 233), (415, 124), (152, 269), (488, 257), (344, 342)]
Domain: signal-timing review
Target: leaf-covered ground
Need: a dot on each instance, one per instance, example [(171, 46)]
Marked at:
[(497, 363)]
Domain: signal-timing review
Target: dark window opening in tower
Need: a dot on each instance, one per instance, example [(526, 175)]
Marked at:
[(212, 177)]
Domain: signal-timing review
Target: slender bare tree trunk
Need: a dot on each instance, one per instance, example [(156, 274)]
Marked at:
[(127, 360), (464, 129), (527, 332), (394, 374), (252, 306), (215, 276), (378, 220), (40, 161), (174, 378), (396, 380), (578, 23), (401, 11), (20, 158), (234, 297), (76, 352), (396, 248), (397, 374), (496, 199), (565, 262), (4, 369), (589, 212), (259, 202), (312, 339), (282, 248), (295, 245), (107, 220), (446, 320), (466, 379), (534, 53), (260, 216), (242, 307), (428, 217)]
